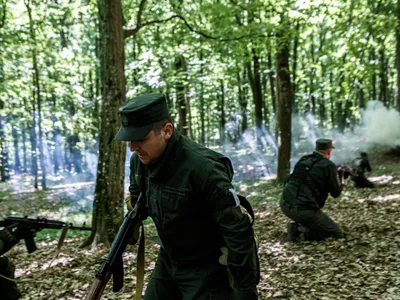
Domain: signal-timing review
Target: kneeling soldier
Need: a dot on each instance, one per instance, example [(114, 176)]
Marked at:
[(313, 178)]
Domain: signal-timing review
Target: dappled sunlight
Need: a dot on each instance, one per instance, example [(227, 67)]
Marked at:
[(393, 197), (380, 179)]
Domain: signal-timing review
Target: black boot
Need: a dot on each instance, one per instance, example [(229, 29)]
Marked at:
[(293, 232)]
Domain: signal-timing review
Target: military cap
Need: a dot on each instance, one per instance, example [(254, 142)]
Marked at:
[(139, 114), (324, 144)]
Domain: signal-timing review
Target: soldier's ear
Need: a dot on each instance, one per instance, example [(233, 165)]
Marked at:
[(168, 130)]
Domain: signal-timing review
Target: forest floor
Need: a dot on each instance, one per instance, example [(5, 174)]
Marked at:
[(363, 265)]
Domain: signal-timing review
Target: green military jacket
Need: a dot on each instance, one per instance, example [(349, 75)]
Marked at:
[(187, 194), (312, 190)]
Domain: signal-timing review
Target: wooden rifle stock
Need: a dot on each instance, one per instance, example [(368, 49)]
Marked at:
[(97, 288)]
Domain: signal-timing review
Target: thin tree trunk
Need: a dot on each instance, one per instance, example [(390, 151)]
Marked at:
[(242, 102), (398, 54), (284, 104), (255, 83), (373, 76), (361, 97), (17, 160), (294, 64), (383, 77), (180, 97), (201, 96), (4, 166), (272, 88), (36, 81), (264, 103), (222, 113)]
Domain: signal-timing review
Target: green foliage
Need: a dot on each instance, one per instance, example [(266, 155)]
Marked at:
[(342, 49)]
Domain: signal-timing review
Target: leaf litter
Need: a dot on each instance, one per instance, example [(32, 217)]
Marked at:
[(363, 265)]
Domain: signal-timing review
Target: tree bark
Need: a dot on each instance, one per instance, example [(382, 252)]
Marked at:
[(255, 83), (109, 190), (242, 102), (180, 97), (272, 88), (284, 104), (398, 54), (17, 160), (201, 96), (294, 63), (36, 82), (383, 77), (373, 75), (222, 113)]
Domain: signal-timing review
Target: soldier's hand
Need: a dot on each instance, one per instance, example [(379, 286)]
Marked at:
[(135, 236), (128, 201)]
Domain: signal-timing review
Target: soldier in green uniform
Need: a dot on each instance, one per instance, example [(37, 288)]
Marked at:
[(304, 195), (187, 191), (8, 288)]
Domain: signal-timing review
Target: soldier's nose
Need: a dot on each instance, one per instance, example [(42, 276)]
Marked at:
[(134, 146)]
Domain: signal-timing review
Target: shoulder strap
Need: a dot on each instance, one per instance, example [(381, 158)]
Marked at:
[(247, 206)]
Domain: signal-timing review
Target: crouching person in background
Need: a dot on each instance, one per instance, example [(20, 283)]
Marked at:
[(314, 177)]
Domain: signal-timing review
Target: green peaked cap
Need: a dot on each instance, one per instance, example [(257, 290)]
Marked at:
[(139, 114)]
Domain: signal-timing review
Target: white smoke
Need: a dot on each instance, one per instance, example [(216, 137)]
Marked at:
[(379, 128), (381, 125)]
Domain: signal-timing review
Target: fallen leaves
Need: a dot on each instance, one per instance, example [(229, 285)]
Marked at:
[(363, 265)]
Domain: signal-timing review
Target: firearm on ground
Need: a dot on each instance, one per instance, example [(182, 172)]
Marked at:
[(25, 228), (112, 265)]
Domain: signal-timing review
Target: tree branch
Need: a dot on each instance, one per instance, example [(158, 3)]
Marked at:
[(134, 31)]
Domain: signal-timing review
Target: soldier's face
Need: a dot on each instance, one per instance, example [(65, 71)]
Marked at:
[(150, 149)]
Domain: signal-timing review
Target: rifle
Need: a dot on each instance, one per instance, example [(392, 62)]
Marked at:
[(26, 228), (345, 171), (112, 265)]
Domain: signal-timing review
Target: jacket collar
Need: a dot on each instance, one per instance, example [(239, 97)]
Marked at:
[(168, 155)]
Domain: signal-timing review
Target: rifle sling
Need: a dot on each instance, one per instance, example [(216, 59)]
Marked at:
[(140, 267)]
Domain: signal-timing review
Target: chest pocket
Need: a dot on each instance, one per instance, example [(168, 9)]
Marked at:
[(175, 203)]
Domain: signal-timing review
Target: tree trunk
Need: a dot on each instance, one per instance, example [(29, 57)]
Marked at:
[(222, 113), (383, 77), (332, 111), (180, 97), (109, 190), (201, 96), (255, 83), (4, 174), (4, 169), (36, 82), (361, 97), (272, 88), (33, 140), (284, 104), (242, 102), (398, 54), (373, 76), (17, 160), (294, 63), (266, 114)]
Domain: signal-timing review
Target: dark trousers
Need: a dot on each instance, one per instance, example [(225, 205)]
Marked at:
[(201, 282), (360, 181), (8, 289), (319, 225)]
